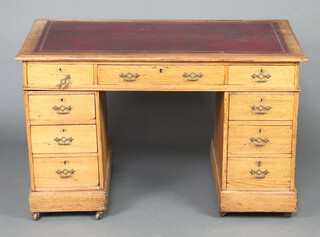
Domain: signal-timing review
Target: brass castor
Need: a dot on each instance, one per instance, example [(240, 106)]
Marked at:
[(36, 216), (222, 214), (99, 215), (287, 214)]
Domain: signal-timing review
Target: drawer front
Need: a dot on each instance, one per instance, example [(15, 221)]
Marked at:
[(162, 75), (258, 173), (63, 139), (262, 76), (57, 76), (261, 106), (260, 139), (64, 107), (65, 172)]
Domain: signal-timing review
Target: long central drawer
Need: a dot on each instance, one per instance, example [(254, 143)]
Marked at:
[(160, 74)]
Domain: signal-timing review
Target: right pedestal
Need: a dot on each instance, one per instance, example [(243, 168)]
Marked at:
[(253, 152)]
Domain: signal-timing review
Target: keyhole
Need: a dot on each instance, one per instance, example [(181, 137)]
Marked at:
[(259, 163), (61, 99), (65, 162), (260, 130), (63, 130), (60, 69), (160, 70), (261, 100)]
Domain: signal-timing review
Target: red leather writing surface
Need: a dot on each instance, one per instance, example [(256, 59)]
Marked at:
[(162, 37)]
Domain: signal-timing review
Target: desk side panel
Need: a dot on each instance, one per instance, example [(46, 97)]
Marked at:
[(102, 137), (28, 130), (221, 136)]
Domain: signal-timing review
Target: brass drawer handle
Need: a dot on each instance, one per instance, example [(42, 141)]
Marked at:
[(259, 141), (259, 174), (192, 76), (63, 140), (260, 109), (65, 173), (129, 76), (62, 109), (261, 77), (64, 82)]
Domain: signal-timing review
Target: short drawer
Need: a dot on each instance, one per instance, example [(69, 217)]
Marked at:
[(63, 139), (260, 139), (160, 74), (61, 107), (65, 172), (262, 76), (59, 76), (259, 173), (264, 106)]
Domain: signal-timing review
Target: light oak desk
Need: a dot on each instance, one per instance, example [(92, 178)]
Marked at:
[(253, 66)]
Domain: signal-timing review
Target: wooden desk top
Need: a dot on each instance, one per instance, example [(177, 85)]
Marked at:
[(142, 40)]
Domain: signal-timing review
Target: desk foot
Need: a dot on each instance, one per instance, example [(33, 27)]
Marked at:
[(222, 214), (287, 214), (99, 215), (36, 216)]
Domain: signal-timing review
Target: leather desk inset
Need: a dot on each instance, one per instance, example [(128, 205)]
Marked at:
[(253, 66), (179, 37)]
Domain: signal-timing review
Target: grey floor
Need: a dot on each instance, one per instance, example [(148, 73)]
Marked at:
[(155, 192)]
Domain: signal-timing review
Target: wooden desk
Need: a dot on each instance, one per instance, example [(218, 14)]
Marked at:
[(253, 66)]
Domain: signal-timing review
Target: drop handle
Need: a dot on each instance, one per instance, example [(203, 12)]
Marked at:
[(192, 76), (260, 109), (259, 141), (62, 109), (65, 173), (63, 140), (261, 77), (129, 76), (64, 82), (259, 174)]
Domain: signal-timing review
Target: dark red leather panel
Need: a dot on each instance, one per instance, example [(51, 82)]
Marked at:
[(162, 37)]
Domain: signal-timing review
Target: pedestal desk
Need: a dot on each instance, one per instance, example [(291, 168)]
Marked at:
[(253, 66)]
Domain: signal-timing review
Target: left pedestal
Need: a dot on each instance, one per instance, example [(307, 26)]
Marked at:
[(69, 152)]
